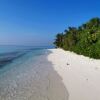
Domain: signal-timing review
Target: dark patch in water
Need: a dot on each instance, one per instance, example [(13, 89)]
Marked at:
[(7, 58)]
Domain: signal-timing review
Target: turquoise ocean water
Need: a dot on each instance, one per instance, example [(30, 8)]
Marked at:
[(13, 56)]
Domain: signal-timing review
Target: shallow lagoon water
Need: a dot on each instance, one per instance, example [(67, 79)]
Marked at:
[(12, 56)]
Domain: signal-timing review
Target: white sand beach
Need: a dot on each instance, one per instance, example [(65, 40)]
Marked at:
[(80, 74), (56, 75)]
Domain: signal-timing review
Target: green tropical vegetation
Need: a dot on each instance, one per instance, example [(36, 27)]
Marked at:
[(83, 40)]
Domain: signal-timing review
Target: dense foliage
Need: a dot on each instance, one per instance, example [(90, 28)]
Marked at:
[(84, 40)]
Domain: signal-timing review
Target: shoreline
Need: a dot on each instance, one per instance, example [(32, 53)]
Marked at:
[(54, 75), (34, 79)]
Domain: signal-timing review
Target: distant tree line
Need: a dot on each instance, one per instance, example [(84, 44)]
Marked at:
[(84, 40)]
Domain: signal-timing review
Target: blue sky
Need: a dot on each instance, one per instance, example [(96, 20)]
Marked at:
[(36, 22)]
